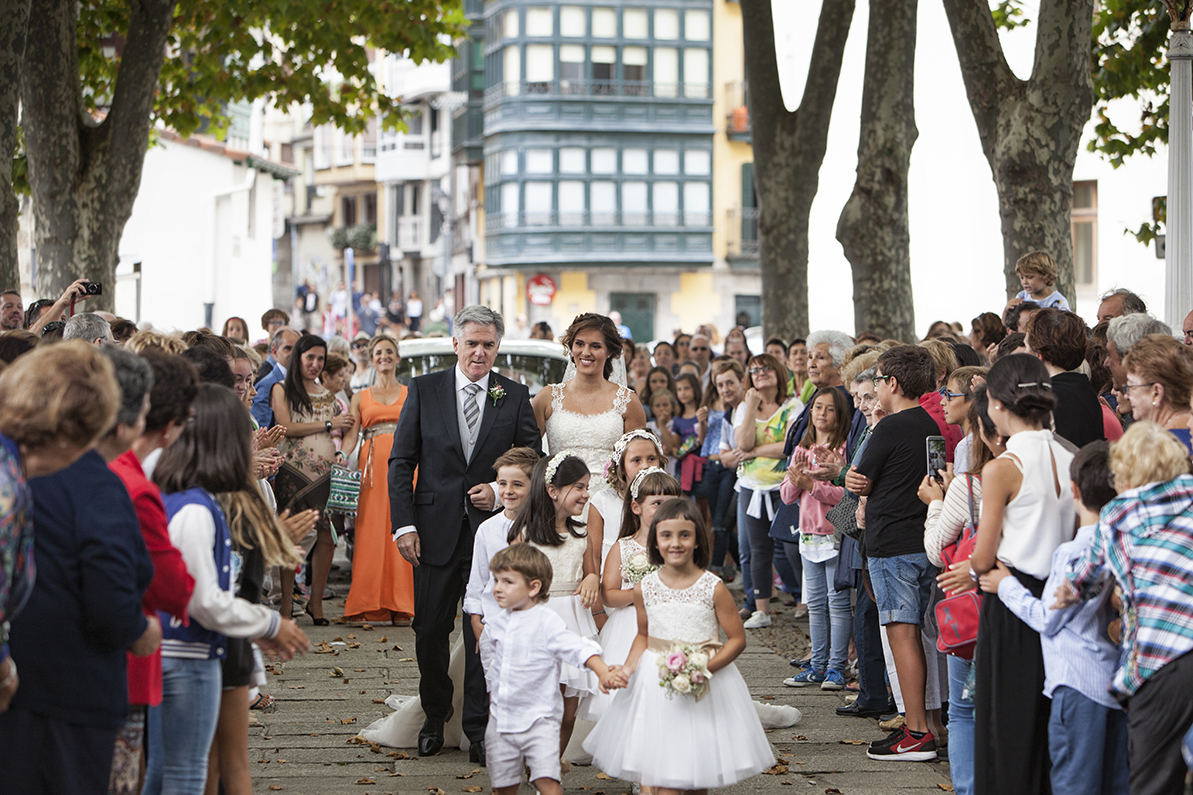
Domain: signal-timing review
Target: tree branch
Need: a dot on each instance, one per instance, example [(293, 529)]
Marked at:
[(984, 69)]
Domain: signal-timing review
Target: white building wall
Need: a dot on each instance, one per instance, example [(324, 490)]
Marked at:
[(194, 245), (956, 240)]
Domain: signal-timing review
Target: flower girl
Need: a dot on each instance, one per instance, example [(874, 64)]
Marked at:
[(547, 521), (628, 562), (632, 453), (685, 721)]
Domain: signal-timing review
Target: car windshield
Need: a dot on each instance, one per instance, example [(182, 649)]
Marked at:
[(532, 371)]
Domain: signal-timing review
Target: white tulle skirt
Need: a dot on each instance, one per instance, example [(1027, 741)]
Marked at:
[(681, 743), (617, 636), (576, 681)]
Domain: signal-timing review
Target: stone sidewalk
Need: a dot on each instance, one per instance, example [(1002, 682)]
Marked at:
[(301, 745)]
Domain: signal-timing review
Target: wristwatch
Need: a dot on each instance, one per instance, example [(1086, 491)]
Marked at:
[(328, 424)]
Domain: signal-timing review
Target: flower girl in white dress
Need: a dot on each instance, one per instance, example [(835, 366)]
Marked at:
[(626, 565), (635, 451), (547, 521), (700, 729)]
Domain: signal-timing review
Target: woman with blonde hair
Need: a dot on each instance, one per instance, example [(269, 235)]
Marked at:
[(382, 580), (1145, 537)]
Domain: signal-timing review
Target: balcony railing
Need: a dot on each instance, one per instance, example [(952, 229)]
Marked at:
[(409, 237), (737, 111), (597, 88), (496, 222), (742, 233)]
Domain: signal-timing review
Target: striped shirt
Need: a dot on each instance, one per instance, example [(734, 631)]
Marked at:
[(1145, 538)]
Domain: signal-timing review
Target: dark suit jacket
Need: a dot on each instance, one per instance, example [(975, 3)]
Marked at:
[(1078, 414), (428, 437)]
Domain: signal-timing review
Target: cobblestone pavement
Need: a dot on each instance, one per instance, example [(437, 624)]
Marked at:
[(301, 745)]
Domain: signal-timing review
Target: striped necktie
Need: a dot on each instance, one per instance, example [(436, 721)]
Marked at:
[(471, 411)]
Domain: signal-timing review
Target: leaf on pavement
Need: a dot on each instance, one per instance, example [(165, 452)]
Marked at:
[(946, 787), (347, 721), (398, 755), (852, 742), (337, 671), (383, 640), (777, 770), (470, 789), (603, 777), (363, 780), (274, 787), (768, 698), (378, 701)]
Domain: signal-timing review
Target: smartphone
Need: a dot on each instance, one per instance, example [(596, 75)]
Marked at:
[(936, 460)]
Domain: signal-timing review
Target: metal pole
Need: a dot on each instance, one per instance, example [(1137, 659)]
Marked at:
[(1178, 259)]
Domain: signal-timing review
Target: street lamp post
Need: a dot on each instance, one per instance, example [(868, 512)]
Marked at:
[(1178, 257)]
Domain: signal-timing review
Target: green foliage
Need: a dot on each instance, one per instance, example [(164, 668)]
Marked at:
[(362, 237), (1149, 232), (1128, 61), (321, 52), (1008, 14)]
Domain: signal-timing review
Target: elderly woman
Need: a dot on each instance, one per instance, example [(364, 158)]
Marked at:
[(826, 356), (1057, 338), (1159, 373), (1145, 538), (761, 422)]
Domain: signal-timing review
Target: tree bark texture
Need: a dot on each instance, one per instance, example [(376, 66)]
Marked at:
[(789, 148), (85, 172), (1030, 129), (14, 23), (873, 227)]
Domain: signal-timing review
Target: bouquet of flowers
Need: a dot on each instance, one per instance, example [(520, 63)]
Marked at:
[(684, 670), (637, 567)]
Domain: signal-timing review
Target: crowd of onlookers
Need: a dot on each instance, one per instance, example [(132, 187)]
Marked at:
[(991, 533)]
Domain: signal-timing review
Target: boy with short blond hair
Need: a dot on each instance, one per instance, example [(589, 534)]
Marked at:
[(1037, 272), (526, 706)]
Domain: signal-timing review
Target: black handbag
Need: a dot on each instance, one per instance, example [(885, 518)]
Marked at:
[(843, 516), (785, 526)]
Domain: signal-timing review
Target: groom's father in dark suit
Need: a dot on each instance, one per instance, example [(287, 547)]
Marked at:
[(453, 426)]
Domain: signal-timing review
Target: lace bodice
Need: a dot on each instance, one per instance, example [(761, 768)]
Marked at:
[(629, 548), (687, 615), (567, 564), (590, 436)]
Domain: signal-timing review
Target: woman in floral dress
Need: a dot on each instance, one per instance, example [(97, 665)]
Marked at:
[(309, 414)]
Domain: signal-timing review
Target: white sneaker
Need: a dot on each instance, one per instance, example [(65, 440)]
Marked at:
[(759, 620)]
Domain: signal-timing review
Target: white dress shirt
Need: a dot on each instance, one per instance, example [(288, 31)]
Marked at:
[(466, 442), (525, 668), (478, 596)]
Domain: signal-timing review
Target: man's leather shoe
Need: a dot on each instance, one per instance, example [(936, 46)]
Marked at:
[(854, 711), (476, 753), (430, 738)]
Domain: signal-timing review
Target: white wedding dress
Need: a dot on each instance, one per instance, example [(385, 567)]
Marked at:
[(589, 436)]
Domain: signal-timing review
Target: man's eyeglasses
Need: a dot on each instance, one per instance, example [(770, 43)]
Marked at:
[(762, 368), (356, 346), (878, 378)]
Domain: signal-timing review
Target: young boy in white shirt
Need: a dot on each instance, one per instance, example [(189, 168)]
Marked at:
[(1037, 272), (525, 707), (1087, 733), (513, 468)]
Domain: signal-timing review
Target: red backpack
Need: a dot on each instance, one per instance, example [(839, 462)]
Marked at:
[(957, 615)]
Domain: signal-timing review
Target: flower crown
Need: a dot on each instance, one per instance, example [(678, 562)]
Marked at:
[(637, 484), (621, 444), (554, 463)]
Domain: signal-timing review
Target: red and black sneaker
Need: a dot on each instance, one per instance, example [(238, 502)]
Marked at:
[(903, 746)]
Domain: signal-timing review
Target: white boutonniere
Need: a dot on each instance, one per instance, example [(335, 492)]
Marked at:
[(496, 392)]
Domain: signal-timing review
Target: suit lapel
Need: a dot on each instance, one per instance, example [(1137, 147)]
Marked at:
[(488, 412), (447, 405)]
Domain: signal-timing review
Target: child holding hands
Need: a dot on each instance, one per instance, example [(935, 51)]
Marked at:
[(547, 521), (524, 717), (699, 730)]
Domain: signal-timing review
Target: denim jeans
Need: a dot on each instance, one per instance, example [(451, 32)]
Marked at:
[(1082, 733), (871, 666), (960, 727), (743, 562), (717, 489), (830, 617), (185, 727)]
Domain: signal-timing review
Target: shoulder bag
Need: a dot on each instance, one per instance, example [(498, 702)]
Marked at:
[(957, 615)]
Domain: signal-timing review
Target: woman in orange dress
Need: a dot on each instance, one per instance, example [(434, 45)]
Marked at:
[(382, 581)]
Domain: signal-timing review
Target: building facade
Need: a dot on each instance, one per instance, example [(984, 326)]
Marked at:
[(603, 147)]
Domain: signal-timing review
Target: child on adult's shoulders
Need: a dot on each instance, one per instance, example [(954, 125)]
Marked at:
[(1037, 272)]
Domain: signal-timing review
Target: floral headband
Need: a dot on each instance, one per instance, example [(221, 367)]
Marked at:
[(637, 484), (554, 463), (624, 442)]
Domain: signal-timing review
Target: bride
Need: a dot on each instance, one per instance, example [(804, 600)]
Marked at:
[(588, 412)]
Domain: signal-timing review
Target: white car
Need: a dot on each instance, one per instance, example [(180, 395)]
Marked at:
[(534, 363)]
